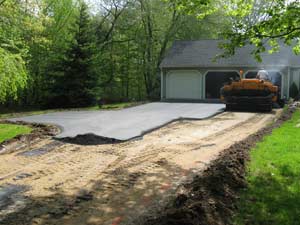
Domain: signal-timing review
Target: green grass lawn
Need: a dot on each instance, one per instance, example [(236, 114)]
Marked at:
[(273, 194), (8, 131), (4, 114)]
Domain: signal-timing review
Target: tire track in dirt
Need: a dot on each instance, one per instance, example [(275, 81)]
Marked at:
[(29, 161), (48, 168), (254, 119), (97, 184), (10, 158), (210, 197), (149, 157)]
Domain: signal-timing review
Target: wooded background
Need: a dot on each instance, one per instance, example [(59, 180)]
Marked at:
[(70, 53)]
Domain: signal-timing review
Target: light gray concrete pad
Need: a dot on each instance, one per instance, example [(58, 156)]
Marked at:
[(123, 124)]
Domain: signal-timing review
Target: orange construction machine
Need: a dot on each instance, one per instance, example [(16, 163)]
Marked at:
[(257, 94)]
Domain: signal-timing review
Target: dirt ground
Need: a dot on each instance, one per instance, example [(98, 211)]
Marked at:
[(54, 182), (210, 197)]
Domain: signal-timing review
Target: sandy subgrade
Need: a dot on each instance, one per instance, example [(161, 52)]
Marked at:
[(53, 182), (211, 196)]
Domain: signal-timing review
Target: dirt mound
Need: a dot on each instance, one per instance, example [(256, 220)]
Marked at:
[(210, 198), (89, 139)]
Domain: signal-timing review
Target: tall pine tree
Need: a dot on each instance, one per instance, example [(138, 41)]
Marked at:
[(74, 85)]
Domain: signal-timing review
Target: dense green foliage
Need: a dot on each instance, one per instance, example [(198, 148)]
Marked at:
[(273, 193), (8, 131), (66, 53), (262, 23), (13, 74), (74, 82), (71, 53)]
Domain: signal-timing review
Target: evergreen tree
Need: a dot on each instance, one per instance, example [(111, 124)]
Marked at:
[(74, 85)]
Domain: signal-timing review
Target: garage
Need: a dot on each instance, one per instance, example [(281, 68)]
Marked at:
[(184, 84), (190, 70), (214, 81)]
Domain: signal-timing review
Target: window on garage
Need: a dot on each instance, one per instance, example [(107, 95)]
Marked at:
[(215, 80)]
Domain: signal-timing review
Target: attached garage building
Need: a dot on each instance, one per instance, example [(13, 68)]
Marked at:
[(191, 72)]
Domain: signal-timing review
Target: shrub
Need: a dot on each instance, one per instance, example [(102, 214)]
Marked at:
[(294, 91)]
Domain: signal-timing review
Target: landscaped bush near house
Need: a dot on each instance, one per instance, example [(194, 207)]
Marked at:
[(294, 91)]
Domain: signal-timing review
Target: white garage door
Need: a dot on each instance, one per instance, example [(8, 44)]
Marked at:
[(184, 85)]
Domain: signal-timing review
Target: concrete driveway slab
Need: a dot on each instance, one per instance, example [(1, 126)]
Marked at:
[(123, 124)]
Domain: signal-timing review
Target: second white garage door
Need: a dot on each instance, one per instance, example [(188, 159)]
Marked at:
[(185, 84)]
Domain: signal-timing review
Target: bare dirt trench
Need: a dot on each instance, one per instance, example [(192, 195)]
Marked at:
[(58, 183)]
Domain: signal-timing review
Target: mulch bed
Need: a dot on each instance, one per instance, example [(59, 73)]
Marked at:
[(210, 198)]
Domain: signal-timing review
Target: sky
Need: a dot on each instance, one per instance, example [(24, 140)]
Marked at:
[(95, 5)]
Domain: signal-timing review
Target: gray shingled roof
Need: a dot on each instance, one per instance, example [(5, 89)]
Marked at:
[(186, 54)]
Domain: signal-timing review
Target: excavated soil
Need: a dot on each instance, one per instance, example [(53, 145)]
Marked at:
[(89, 139), (54, 182), (210, 198)]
